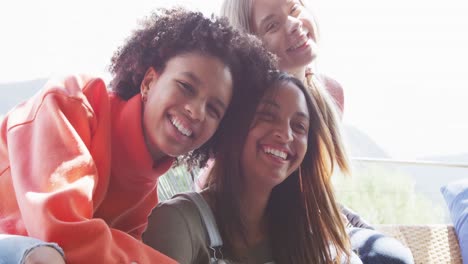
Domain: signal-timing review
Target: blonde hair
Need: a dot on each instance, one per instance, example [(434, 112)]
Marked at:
[(239, 14)]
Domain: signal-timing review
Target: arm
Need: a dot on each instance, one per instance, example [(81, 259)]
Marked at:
[(169, 231), (44, 254), (23, 249), (59, 153)]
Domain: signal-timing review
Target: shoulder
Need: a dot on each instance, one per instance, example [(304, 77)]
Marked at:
[(331, 84), (175, 228), (182, 211), (179, 206), (334, 88), (77, 87), (88, 91), (60, 95), (327, 80)]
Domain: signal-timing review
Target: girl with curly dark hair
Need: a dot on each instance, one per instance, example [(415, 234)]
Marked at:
[(79, 163)]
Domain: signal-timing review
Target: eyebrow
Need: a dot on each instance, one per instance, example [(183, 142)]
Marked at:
[(197, 81), (192, 77), (271, 16), (302, 114), (270, 103), (266, 19), (275, 105), (289, 2), (220, 103)]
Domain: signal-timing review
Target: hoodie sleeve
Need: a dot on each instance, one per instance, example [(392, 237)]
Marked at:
[(59, 154)]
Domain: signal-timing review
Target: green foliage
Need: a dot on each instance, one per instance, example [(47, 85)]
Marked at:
[(383, 196), (376, 193), (176, 180)]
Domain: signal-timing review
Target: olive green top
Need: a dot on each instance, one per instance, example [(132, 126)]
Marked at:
[(176, 229)]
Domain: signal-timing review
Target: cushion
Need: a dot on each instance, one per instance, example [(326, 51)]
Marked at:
[(456, 197)]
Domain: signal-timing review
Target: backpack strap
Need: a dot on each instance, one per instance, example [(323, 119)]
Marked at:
[(208, 220)]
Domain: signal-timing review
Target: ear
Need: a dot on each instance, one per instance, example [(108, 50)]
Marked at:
[(150, 76)]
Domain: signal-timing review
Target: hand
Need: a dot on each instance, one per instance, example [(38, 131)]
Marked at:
[(43, 255)]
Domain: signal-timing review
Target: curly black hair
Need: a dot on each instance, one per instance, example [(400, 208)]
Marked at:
[(167, 33)]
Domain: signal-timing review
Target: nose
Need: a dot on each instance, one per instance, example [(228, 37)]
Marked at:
[(294, 24), (283, 132), (196, 110)]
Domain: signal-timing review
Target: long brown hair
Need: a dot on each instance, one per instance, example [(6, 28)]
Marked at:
[(304, 222)]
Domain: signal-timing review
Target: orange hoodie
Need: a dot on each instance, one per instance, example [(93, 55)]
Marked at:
[(74, 170)]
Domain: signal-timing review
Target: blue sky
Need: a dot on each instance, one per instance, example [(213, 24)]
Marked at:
[(402, 63)]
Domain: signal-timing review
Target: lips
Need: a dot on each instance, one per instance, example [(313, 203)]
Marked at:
[(301, 42), (276, 152), (181, 126)]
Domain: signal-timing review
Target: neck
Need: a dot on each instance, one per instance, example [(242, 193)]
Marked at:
[(298, 73), (254, 202), (156, 154)]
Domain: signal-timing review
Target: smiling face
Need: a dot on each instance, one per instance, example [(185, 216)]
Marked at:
[(288, 30), (277, 140), (185, 103)]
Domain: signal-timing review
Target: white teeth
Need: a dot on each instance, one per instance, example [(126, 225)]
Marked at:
[(185, 131), (304, 40), (276, 152)]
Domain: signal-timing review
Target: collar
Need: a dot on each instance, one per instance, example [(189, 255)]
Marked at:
[(130, 155)]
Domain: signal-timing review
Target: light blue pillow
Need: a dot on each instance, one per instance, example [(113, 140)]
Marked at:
[(456, 197)]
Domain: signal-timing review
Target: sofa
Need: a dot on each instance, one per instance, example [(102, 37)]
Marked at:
[(430, 244)]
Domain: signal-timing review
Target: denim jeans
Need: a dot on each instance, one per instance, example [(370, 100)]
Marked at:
[(377, 248), (14, 248)]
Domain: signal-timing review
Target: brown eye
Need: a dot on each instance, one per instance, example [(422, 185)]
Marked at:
[(214, 112), (264, 116), (295, 10), (300, 127), (271, 27), (186, 88)]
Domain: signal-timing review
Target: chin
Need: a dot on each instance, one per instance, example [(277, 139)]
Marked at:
[(171, 152), (312, 59), (297, 67), (306, 60), (177, 153), (278, 179)]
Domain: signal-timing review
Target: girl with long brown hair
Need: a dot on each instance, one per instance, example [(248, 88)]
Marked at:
[(269, 189)]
